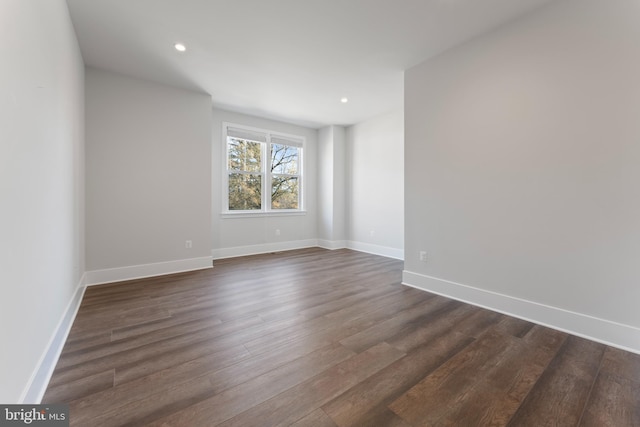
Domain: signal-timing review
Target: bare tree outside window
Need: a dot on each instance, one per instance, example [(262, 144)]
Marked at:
[(284, 179), (254, 166)]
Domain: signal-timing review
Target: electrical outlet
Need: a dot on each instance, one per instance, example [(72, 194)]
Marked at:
[(277, 232), (188, 244), (423, 256)]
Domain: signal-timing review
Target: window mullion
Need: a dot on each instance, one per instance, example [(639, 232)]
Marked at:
[(300, 171), (266, 182), (225, 197)]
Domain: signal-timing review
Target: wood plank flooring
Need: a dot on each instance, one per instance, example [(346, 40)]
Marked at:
[(326, 338)]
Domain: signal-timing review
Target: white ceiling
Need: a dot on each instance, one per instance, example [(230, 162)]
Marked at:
[(290, 60)]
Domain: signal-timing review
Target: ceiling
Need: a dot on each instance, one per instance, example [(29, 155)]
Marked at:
[(290, 60)]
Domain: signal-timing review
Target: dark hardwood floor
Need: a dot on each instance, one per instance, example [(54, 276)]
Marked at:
[(326, 338)]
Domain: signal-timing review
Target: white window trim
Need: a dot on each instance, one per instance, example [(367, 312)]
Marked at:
[(266, 182)]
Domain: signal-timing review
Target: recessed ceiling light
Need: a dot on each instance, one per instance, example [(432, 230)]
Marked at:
[(180, 47), (344, 99)]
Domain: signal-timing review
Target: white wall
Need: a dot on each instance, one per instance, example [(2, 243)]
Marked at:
[(241, 236), (331, 187), (523, 170), (148, 177), (41, 189), (375, 185)]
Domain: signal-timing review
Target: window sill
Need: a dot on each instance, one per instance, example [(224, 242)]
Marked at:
[(230, 215)]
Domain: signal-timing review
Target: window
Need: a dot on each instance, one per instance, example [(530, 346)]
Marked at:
[(263, 171)]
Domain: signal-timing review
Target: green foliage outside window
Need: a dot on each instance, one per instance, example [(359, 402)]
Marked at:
[(245, 192), (245, 175)]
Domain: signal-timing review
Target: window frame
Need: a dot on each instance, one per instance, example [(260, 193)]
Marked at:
[(265, 171)]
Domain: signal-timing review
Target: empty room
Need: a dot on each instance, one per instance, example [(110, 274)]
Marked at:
[(320, 213)]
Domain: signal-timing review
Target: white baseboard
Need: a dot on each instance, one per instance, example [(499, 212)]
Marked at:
[(37, 385), (237, 251), (110, 275), (601, 330), (332, 244), (300, 244), (376, 249)]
